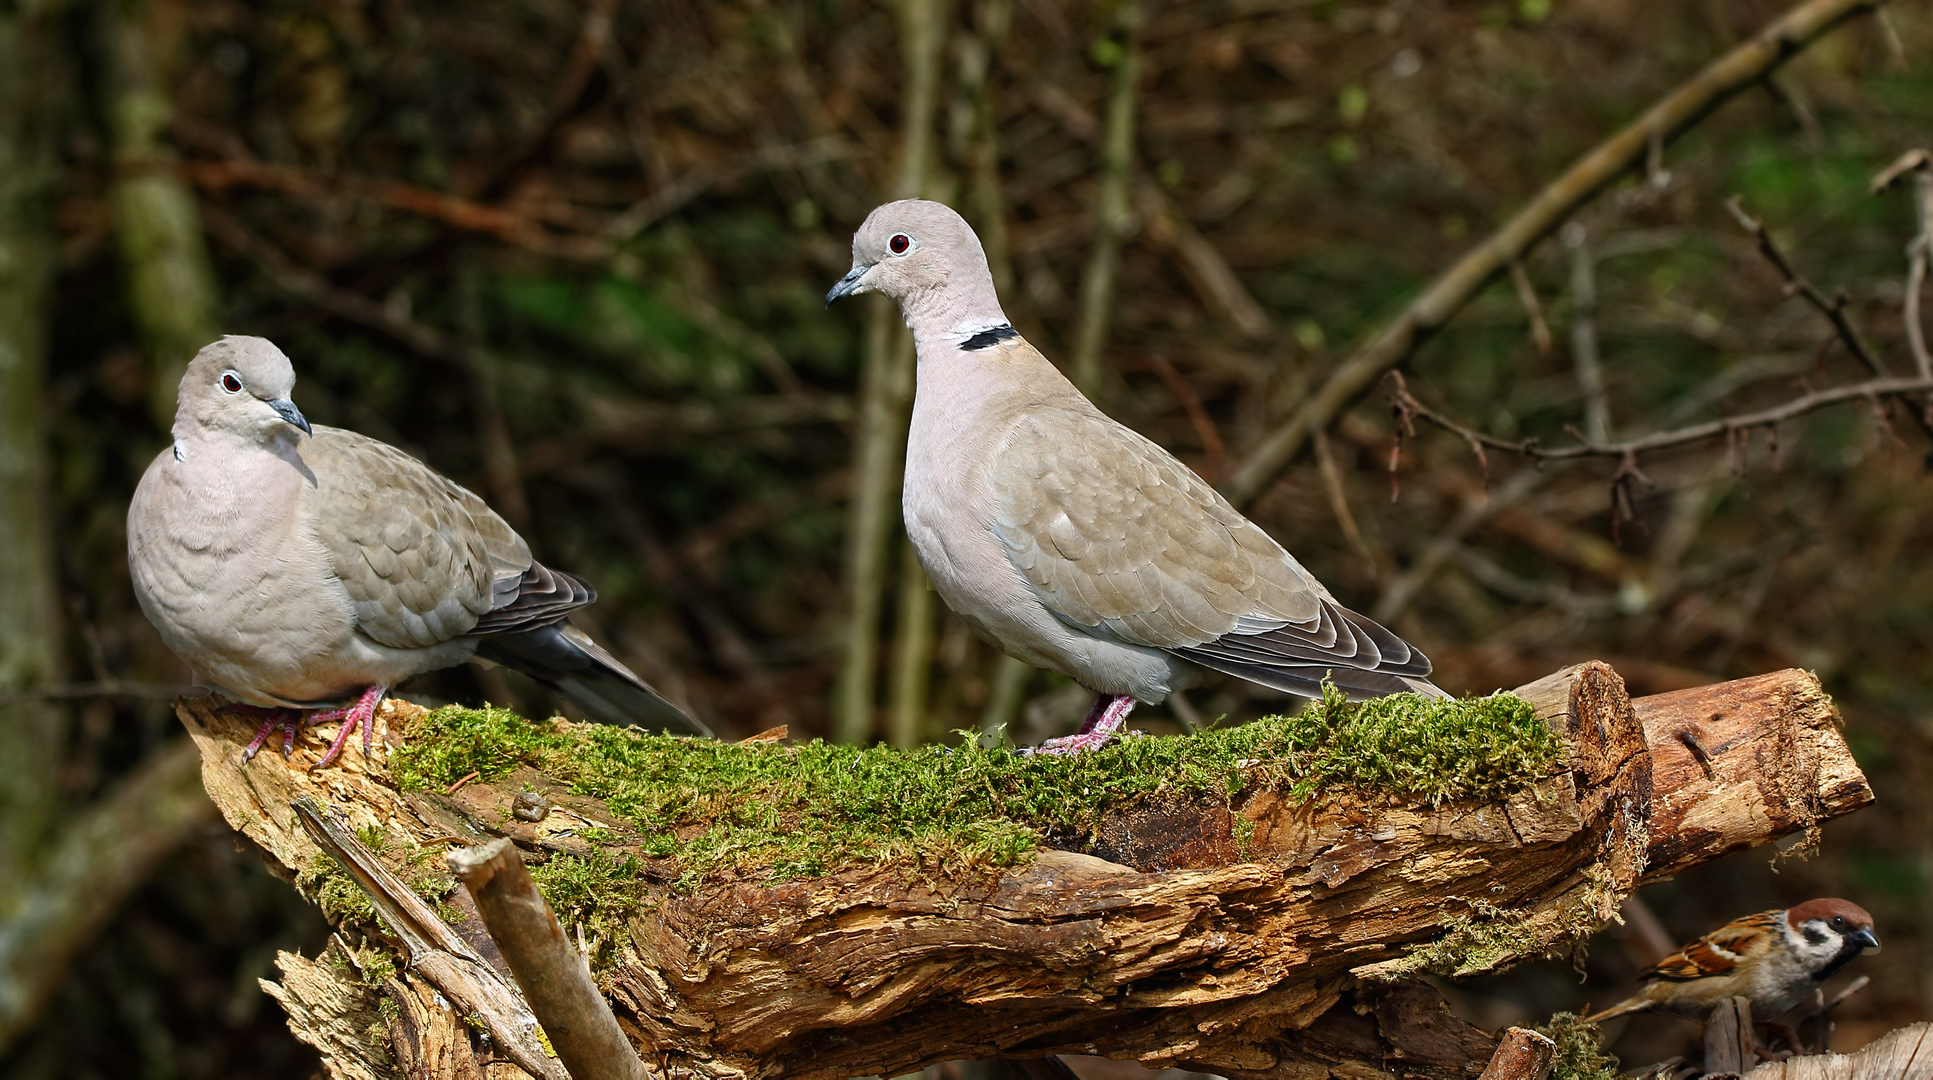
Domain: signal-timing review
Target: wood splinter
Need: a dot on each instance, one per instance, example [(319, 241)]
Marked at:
[(554, 977)]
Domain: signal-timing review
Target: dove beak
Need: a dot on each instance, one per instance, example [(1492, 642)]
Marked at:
[(1866, 938), (286, 410), (848, 284)]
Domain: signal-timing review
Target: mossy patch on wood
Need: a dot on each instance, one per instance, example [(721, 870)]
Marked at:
[(787, 811)]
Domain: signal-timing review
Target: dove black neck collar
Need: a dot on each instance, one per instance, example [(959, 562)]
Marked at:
[(989, 337)]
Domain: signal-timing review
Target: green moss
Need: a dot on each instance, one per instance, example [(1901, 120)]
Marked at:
[(597, 892), (334, 891), (792, 811), (1580, 1054)]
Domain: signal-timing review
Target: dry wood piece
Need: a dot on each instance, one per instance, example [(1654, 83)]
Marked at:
[(1252, 937), (1733, 760), (554, 977), (1522, 1054), (1730, 1047), (1904, 1054), (432, 948)]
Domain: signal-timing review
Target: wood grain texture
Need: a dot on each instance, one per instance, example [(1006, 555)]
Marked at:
[(1521, 1054), (1156, 936), (1903, 1054)]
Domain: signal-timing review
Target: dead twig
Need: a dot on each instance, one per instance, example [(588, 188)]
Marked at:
[(452, 210), (1833, 308), (1870, 390), (1685, 105), (1527, 296), (555, 978)]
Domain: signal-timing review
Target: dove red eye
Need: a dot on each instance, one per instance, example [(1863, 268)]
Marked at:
[(899, 243), (230, 383)]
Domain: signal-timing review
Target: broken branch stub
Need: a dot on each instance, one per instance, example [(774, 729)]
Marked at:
[(1248, 934), (554, 977)]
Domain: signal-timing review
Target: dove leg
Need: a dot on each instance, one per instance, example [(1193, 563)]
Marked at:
[(285, 719), (1107, 716), (360, 715)]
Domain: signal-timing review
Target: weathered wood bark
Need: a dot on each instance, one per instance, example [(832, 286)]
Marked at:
[(1156, 936), (1730, 1047), (1903, 1054), (1521, 1054)]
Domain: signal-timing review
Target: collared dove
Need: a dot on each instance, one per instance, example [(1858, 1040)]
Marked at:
[(1069, 540), (297, 567)]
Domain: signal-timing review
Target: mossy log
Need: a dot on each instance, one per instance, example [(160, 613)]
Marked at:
[(1250, 924)]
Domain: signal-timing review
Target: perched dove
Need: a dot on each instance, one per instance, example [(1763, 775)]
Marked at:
[(296, 567), (1072, 542)]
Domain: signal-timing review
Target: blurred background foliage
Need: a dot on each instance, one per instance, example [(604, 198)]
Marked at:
[(574, 254)]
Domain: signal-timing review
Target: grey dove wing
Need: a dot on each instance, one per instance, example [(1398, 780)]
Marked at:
[(422, 558), (1117, 536)]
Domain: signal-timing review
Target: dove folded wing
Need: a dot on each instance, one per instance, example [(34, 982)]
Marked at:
[(422, 558), (1116, 536)]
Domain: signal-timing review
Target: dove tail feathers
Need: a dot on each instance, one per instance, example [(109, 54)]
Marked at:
[(565, 659), (1427, 688)]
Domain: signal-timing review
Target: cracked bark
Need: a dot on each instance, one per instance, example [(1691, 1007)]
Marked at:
[(1157, 937)]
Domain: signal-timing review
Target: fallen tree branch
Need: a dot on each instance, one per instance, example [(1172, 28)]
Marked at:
[(431, 948), (1739, 69), (1250, 936), (92, 865)]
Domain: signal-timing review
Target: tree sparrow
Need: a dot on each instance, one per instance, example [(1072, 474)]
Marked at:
[(1774, 958)]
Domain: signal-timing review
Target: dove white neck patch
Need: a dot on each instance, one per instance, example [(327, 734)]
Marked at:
[(181, 452), (989, 337)]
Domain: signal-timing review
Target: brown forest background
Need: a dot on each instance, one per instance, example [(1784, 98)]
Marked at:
[(574, 256)]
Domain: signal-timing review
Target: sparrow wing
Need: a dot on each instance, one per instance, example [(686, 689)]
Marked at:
[(1717, 953)]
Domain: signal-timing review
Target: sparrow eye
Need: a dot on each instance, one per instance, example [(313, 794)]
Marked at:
[(231, 382), (900, 243), (1838, 922)]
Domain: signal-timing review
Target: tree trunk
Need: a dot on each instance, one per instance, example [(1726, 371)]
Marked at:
[(171, 284), (31, 730), (1255, 937)]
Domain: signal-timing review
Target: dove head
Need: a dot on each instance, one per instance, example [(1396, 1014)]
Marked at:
[(239, 386), (927, 257)]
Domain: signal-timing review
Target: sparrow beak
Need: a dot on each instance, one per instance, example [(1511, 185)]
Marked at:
[(1866, 939), (848, 284), (286, 410)]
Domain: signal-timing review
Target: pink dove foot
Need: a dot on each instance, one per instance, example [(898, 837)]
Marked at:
[(1106, 718), (360, 715), (285, 719)]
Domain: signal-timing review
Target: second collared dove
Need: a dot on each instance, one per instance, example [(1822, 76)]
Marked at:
[(298, 567), (1069, 540)]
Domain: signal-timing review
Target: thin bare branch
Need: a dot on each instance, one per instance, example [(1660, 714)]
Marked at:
[(1872, 389), (1590, 373), (1833, 308), (1677, 111), (1527, 296)]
